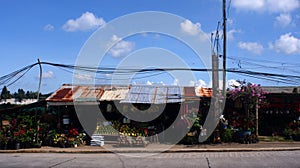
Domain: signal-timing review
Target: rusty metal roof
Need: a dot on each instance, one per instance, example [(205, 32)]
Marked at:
[(115, 94), (203, 92), (70, 93), (63, 94), (150, 94), (88, 94)]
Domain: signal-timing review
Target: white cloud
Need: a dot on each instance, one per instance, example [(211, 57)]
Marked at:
[(230, 33), (248, 5), (176, 82), (230, 21), (232, 83), (48, 75), (108, 76), (192, 83), (253, 47), (282, 5), (87, 21), (121, 47), (286, 44), (275, 6), (48, 27), (200, 83), (283, 19), (84, 77), (190, 28), (149, 83)]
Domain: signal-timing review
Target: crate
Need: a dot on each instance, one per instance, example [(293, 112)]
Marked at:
[(97, 140)]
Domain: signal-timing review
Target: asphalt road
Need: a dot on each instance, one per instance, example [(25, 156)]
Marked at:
[(164, 160)]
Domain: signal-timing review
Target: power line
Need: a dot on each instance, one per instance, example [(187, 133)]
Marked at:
[(13, 77), (246, 63)]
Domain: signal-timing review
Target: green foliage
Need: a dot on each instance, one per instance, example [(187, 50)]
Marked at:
[(249, 94), (227, 135), (73, 137), (19, 95), (5, 134), (293, 130), (5, 94)]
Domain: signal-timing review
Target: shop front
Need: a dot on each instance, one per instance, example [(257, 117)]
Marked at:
[(140, 110)]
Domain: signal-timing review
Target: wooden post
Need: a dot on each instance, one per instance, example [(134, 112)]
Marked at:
[(256, 118), (40, 82)]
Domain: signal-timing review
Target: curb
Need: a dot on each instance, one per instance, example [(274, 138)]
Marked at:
[(72, 150)]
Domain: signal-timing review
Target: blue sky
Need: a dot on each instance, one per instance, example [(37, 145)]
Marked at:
[(263, 35)]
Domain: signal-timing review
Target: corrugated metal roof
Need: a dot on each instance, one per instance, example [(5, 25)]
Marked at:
[(189, 91), (88, 94), (148, 94), (69, 93), (151, 94), (281, 89), (63, 94), (116, 94), (203, 92)]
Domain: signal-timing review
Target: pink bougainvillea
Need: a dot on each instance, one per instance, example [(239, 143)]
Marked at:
[(249, 94)]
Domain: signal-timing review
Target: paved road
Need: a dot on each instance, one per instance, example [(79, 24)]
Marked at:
[(165, 160)]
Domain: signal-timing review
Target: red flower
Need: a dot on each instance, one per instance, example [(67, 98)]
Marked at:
[(73, 132)]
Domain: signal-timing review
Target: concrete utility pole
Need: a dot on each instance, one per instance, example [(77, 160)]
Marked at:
[(224, 49), (215, 104), (215, 74)]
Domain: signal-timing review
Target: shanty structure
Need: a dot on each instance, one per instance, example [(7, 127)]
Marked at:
[(283, 108), (169, 99)]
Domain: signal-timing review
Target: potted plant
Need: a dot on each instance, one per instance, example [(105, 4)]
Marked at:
[(251, 98), (3, 141), (5, 137), (60, 140), (18, 137)]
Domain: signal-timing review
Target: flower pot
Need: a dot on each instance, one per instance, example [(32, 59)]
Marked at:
[(296, 137), (37, 145), (25, 145), (4, 146), (18, 145)]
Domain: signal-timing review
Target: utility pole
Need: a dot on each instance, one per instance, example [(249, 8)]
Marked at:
[(224, 51), (40, 82), (215, 97), (38, 97)]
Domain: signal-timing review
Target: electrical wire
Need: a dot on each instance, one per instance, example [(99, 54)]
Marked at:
[(13, 77)]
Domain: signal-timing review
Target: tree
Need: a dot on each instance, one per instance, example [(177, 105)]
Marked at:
[(31, 95), (27, 95), (251, 97), (5, 94), (20, 95)]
